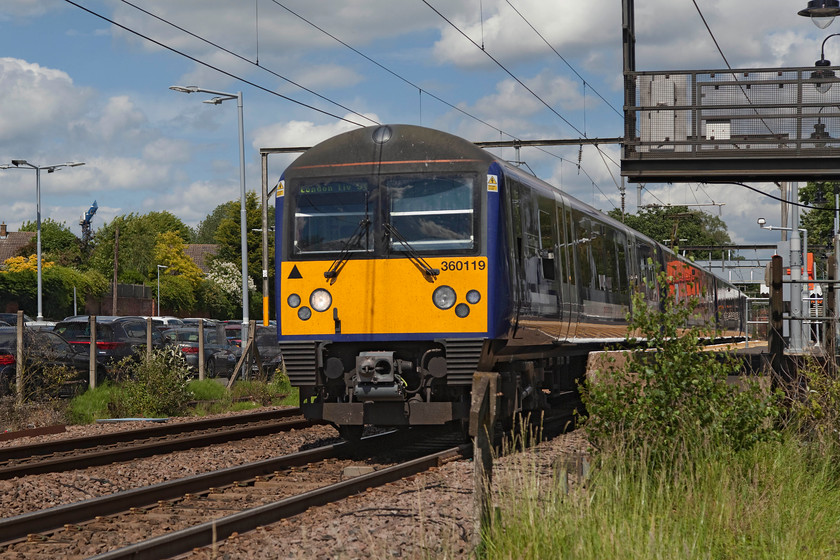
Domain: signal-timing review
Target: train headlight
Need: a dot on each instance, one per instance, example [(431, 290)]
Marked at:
[(320, 300), (473, 297), (293, 300), (304, 313), (462, 310), (444, 297)]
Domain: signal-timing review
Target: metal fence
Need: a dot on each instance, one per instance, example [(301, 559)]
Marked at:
[(731, 114)]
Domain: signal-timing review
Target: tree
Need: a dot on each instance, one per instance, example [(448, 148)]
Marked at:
[(230, 242), (58, 243), (137, 235), (205, 232), (170, 251), (671, 224), (820, 220)]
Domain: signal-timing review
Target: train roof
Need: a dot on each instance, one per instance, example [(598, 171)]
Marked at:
[(367, 149)]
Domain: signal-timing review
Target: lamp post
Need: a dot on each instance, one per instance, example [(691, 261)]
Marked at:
[(158, 286), (17, 163), (221, 97)]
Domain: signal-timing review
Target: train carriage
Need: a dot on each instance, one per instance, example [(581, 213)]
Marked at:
[(408, 258)]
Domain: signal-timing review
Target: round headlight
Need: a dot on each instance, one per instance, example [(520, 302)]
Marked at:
[(444, 297), (304, 313), (320, 300), (473, 297), (462, 310), (293, 300)]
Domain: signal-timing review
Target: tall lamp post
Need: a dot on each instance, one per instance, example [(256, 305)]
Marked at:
[(220, 97), (17, 163), (158, 286)]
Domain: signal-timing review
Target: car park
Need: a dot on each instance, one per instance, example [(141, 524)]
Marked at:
[(116, 337), (42, 350), (220, 356), (11, 318)]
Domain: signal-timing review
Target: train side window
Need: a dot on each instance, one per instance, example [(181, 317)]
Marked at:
[(547, 237)]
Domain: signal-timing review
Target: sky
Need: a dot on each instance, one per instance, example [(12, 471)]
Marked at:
[(88, 81)]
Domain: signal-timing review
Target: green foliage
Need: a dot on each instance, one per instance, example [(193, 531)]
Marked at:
[(820, 221), (207, 390), (156, 386), (58, 243), (814, 407), (219, 303), (176, 294), (230, 241), (669, 394), (697, 228), (137, 235), (91, 405), (206, 230), (776, 500), (58, 283), (170, 251)]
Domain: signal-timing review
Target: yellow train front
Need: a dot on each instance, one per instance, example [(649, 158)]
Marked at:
[(386, 261)]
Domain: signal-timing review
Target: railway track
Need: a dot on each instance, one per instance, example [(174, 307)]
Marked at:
[(77, 453), (170, 518)]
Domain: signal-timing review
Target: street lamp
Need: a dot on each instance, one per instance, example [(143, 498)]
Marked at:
[(821, 12), (17, 163), (823, 76), (158, 286), (220, 97)]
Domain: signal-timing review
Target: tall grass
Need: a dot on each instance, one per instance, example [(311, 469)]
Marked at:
[(775, 500)]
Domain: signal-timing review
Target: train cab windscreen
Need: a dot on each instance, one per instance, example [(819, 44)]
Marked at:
[(330, 216), (431, 213), (424, 214)]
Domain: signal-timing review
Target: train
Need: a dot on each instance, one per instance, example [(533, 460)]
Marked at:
[(407, 258)]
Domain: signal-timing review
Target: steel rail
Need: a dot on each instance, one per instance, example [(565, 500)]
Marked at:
[(13, 528), (205, 534), (131, 452), (70, 444)]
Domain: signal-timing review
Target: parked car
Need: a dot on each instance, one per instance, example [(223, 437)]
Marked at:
[(266, 340), (11, 318), (219, 354), (42, 350), (193, 322), (116, 337)]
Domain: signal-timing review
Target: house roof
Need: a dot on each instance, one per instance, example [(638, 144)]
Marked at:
[(12, 243), (199, 253)]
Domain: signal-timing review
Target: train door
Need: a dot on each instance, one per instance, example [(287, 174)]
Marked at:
[(548, 292), (568, 275)]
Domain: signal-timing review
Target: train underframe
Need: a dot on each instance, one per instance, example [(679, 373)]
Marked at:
[(429, 383)]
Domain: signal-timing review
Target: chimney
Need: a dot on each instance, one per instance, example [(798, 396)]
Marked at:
[(3, 233)]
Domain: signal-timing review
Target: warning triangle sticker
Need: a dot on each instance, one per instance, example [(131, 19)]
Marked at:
[(295, 273)]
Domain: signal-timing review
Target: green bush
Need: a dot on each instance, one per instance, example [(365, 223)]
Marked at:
[(155, 386), (669, 394)]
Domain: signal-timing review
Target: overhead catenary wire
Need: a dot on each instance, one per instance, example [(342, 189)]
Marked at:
[(244, 59), (267, 90), (208, 65)]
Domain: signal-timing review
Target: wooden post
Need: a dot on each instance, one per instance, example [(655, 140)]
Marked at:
[(148, 338), (775, 343), (92, 354), (252, 330), (483, 408), (201, 349), (19, 358)]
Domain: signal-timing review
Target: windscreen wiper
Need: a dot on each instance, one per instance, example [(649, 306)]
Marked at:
[(411, 252), (338, 263)]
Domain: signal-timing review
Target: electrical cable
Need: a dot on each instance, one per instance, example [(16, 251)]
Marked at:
[(240, 57), (208, 65)]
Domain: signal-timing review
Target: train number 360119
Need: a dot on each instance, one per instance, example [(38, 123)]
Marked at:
[(463, 265)]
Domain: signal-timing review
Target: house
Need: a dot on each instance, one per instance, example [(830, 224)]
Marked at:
[(11, 242)]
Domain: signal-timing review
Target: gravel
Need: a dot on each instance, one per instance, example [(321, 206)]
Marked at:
[(429, 515)]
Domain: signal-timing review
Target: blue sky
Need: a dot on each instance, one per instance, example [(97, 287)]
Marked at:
[(74, 87)]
